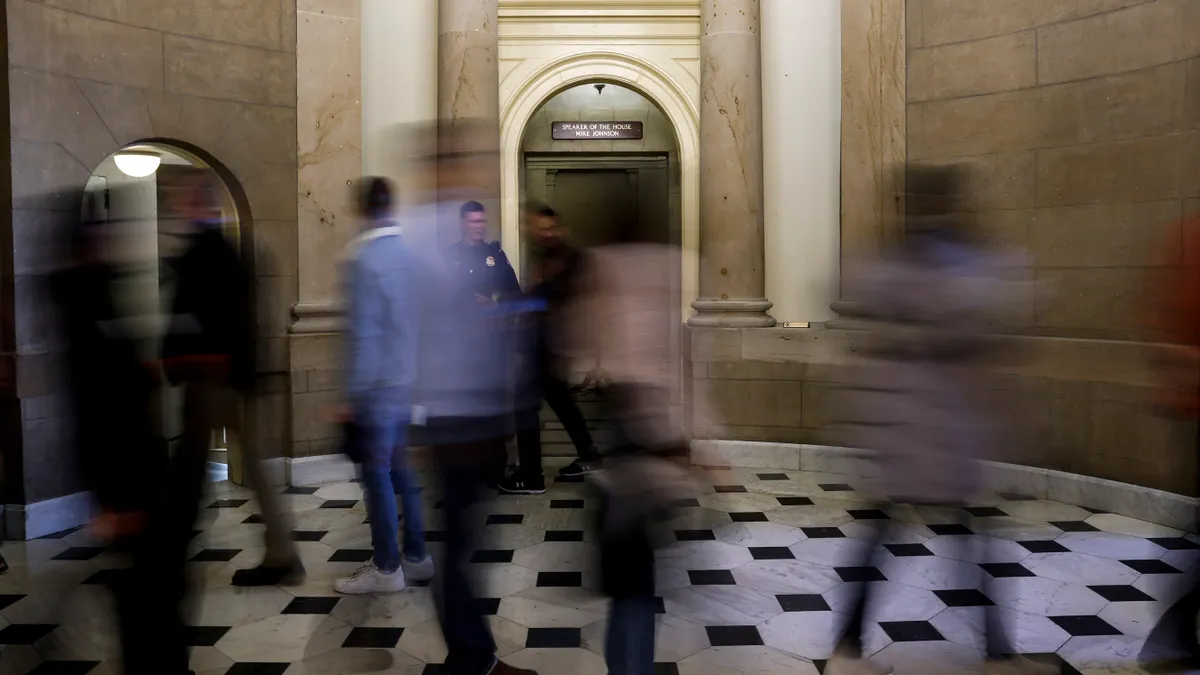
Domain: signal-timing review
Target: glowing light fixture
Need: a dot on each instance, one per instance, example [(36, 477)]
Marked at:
[(137, 163)]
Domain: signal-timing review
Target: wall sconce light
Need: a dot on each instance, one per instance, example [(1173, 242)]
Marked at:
[(137, 163)]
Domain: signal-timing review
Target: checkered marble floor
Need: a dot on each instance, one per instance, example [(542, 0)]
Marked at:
[(757, 579)]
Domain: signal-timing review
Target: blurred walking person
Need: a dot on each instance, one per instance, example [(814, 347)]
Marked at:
[(621, 311), (918, 402), (464, 399), (118, 454), (1172, 644), (382, 331), (557, 275)]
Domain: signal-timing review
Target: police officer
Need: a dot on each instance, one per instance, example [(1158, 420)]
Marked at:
[(492, 276)]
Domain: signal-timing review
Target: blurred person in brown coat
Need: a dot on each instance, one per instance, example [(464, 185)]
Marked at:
[(622, 315), (1172, 645), (918, 403)]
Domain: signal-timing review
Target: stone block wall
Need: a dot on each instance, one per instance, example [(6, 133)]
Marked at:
[(84, 79), (1082, 118), (1082, 406)]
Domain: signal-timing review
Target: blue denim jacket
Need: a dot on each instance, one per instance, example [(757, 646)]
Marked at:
[(382, 314)]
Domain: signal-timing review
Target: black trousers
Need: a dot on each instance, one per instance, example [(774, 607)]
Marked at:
[(465, 468), (529, 429)]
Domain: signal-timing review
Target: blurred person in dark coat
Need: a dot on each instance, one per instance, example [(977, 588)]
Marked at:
[(558, 269), (919, 401), (119, 456)]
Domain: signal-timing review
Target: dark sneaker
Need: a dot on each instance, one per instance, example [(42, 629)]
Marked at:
[(580, 467), (3, 565), (270, 576), (517, 484), (502, 668)]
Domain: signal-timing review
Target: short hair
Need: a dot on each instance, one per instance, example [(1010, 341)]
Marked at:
[(471, 207), (376, 197), (541, 209)]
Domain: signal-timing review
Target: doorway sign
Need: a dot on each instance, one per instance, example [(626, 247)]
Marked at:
[(595, 131)]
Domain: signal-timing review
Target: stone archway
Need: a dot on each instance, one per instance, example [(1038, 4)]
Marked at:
[(637, 74)]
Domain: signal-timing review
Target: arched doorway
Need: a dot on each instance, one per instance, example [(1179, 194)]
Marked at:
[(134, 191), (634, 74)]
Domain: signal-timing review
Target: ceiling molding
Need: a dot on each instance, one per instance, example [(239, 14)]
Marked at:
[(592, 10)]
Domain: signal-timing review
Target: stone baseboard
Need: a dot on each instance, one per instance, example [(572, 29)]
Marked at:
[(30, 521), (1154, 506)]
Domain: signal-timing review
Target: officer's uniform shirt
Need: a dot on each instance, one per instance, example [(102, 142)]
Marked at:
[(486, 269)]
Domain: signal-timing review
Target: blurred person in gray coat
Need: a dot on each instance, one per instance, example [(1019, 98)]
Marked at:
[(919, 402)]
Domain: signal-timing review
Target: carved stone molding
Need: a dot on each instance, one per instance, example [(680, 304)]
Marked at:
[(316, 317)]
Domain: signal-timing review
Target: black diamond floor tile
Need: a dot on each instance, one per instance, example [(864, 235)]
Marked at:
[(7, 601), (660, 607), (1175, 543), (822, 532), (373, 638), (434, 669), (860, 574), (492, 556), (553, 638), (299, 490), (228, 503), (1004, 570), (964, 597), (560, 579), (1080, 626), (25, 633), (316, 605), (64, 668), (772, 476), (339, 503), (216, 555), (748, 517), (695, 535), (1121, 593), (1073, 526), (867, 514), (666, 668), (835, 487), (1093, 510), (204, 636), (61, 535), (566, 503), (803, 603), (1044, 547), (729, 488), (771, 553), (564, 535), (733, 636), (686, 503), (488, 606), (908, 550), (794, 501), (105, 577), (949, 529), (308, 535), (1151, 566), (1016, 497), (984, 511), (911, 631), (354, 555), (258, 669), (505, 519), (819, 664), (711, 578), (253, 519), (79, 553)]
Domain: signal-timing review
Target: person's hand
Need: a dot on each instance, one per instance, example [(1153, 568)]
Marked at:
[(340, 414), (113, 525)]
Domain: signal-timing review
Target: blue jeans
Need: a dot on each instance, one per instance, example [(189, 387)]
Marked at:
[(385, 476), (629, 648)]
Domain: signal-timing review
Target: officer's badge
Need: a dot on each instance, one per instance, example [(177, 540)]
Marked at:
[(491, 262)]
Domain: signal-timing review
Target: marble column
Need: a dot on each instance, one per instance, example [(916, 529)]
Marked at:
[(469, 86), (732, 279)]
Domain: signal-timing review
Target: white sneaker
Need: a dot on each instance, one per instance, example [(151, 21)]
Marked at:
[(418, 571), (370, 579)]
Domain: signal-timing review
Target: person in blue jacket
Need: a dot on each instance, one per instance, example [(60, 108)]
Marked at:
[(381, 338)]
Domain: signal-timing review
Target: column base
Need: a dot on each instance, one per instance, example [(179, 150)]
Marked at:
[(738, 313)]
